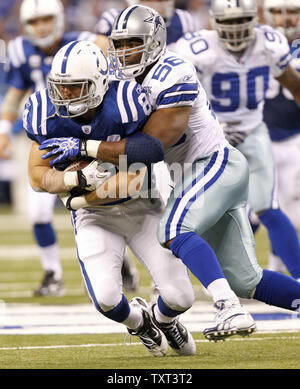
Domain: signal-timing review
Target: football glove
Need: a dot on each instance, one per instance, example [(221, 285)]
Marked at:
[(234, 137), (72, 203), (92, 176), (66, 148)]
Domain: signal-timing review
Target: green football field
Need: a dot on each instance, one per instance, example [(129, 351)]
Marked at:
[(20, 274)]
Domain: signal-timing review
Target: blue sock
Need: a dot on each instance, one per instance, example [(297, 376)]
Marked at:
[(279, 290), (165, 310), (197, 256), (284, 239), (44, 234), (119, 313)]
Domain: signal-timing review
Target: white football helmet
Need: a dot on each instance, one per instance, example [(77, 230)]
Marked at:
[(282, 6), (34, 9), (145, 24), (81, 65), (165, 8), (237, 36)]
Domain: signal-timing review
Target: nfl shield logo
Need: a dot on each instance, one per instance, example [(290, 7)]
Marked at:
[(86, 129)]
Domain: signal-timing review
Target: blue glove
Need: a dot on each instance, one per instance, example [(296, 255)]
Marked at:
[(66, 148)]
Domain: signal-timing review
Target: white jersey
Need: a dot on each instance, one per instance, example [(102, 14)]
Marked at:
[(237, 85), (172, 82)]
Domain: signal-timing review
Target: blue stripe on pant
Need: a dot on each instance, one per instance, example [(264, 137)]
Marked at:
[(202, 188)]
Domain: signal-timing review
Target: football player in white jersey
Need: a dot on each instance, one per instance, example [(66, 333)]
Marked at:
[(79, 98), (282, 116), (29, 61), (178, 22), (235, 63), (205, 222)]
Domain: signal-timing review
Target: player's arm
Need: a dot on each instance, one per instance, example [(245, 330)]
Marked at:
[(168, 125), (9, 115), (102, 42), (43, 178), (122, 185), (163, 129), (290, 79)]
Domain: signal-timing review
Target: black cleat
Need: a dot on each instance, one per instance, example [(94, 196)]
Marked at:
[(50, 286)]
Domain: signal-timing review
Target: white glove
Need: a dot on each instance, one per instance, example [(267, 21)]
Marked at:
[(92, 176), (234, 137), (72, 203)]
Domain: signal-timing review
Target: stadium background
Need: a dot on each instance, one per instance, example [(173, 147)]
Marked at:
[(66, 332)]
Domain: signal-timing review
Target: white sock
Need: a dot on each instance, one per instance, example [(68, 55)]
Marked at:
[(220, 290), (135, 318), (276, 264), (161, 318), (50, 260)]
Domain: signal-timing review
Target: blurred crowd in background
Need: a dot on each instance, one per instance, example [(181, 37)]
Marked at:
[(82, 14)]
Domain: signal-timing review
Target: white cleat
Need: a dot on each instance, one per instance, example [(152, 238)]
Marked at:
[(231, 319), (150, 335)]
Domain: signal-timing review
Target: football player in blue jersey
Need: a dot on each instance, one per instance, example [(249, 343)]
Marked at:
[(205, 223), (80, 104), (282, 116), (29, 61)]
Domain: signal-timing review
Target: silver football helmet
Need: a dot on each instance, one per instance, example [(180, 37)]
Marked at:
[(165, 8), (78, 79), (273, 7), (242, 15), (35, 9), (144, 24)]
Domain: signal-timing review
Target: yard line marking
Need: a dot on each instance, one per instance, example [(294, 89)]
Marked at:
[(140, 344)]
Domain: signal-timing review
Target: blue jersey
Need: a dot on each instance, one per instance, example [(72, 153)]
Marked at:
[(181, 23), (281, 113), (123, 111), (28, 66)]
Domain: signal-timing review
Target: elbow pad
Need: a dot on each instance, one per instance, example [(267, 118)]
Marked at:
[(144, 148)]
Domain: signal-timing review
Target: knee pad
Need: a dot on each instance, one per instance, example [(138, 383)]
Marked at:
[(241, 287), (179, 295), (108, 294)]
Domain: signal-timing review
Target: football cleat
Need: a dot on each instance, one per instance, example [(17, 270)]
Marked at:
[(231, 319), (150, 335), (50, 286), (130, 275), (178, 337)]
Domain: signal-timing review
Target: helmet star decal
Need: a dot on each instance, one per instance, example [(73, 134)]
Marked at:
[(156, 20)]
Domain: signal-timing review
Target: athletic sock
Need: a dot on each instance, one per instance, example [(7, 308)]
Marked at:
[(49, 252), (279, 290), (201, 260), (284, 239)]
